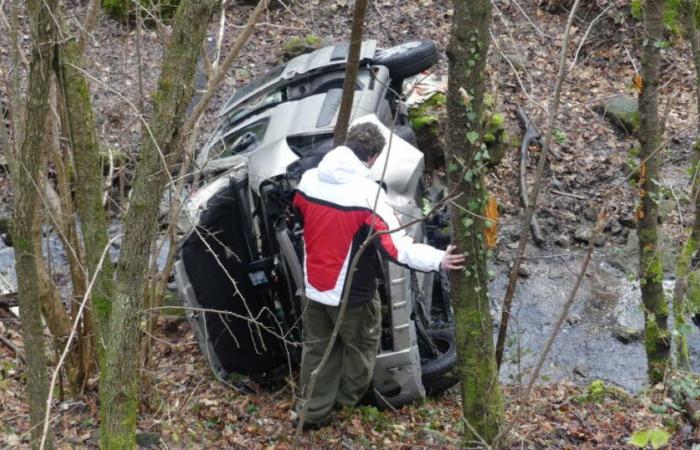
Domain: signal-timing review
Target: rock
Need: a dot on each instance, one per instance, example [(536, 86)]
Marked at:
[(5, 218), (519, 61), (599, 240), (580, 370), (148, 440), (298, 45), (563, 241), (513, 234), (524, 270), (627, 335), (622, 110), (615, 227), (573, 319), (590, 214), (583, 234), (627, 221)]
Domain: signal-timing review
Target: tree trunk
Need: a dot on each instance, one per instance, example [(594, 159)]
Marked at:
[(651, 271), (119, 383), (466, 157), (26, 222), (81, 130), (345, 113), (687, 261)]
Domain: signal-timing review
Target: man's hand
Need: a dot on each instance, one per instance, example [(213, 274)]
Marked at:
[(452, 260)]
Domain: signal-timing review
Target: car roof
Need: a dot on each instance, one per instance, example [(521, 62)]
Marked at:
[(326, 58)]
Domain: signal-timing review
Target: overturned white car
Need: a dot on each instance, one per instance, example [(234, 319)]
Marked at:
[(239, 267)]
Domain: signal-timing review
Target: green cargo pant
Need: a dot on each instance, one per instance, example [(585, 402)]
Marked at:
[(348, 371)]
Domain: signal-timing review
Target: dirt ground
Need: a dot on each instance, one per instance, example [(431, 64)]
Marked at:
[(189, 408)]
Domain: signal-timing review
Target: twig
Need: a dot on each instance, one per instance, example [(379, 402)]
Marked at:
[(8, 343), (89, 23), (585, 36), (539, 175), (530, 135), (527, 17), (225, 65), (567, 194)]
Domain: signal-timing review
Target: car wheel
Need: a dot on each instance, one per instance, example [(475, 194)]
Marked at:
[(406, 133), (439, 372), (407, 60)]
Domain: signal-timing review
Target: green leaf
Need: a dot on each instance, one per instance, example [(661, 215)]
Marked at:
[(472, 136), (467, 222), (451, 167), (640, 438), (658, 438), (658, 409), (471, 115)]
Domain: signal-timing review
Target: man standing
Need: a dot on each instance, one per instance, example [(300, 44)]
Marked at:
[(336, 202)]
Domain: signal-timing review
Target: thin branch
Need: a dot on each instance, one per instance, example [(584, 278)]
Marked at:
[(89, 23), (585, 36), (225, 65)]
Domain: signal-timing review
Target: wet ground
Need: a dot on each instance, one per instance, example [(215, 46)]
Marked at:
[(602, 337)]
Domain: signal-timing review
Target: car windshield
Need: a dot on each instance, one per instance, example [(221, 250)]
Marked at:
[(256, 83), (240, 141), (254, 105)]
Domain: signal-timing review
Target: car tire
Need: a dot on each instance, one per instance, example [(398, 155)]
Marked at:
[(408, 59), (406, 133), (440, 374)]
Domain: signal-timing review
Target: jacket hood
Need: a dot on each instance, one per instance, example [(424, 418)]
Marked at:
[(340, 166)]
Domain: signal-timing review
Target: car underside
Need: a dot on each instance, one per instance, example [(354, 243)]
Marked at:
[(239, 269)]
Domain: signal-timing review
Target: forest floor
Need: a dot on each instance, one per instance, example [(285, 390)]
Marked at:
[(189, 408)]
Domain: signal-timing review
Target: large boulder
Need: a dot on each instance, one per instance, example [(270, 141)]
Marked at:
[(428, 120), (622, 110), (298, 45)]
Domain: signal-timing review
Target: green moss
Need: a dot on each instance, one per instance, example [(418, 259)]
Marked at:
[(428, 113), (119, 9), (656, 344), (299, 45), (693, 292)]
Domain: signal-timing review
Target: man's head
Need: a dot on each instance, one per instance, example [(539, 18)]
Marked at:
[(366, 141)]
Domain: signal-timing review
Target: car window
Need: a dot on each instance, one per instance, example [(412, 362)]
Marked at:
[(256, 83), (254, 105), (240, 141), (306, 145)]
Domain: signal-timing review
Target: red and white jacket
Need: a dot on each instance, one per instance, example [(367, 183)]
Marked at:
[(336, 201)]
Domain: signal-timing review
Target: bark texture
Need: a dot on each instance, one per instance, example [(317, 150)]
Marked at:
[(345, 113), (26, 224), (119, 382), (466, 158), (657, 340), (81, 130)]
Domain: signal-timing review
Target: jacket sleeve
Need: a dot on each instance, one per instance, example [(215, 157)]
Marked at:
[(399, 246)]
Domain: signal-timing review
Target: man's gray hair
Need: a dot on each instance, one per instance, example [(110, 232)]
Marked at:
[(365, 140)]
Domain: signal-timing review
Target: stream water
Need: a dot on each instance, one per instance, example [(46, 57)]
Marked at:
[(590, 346)]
